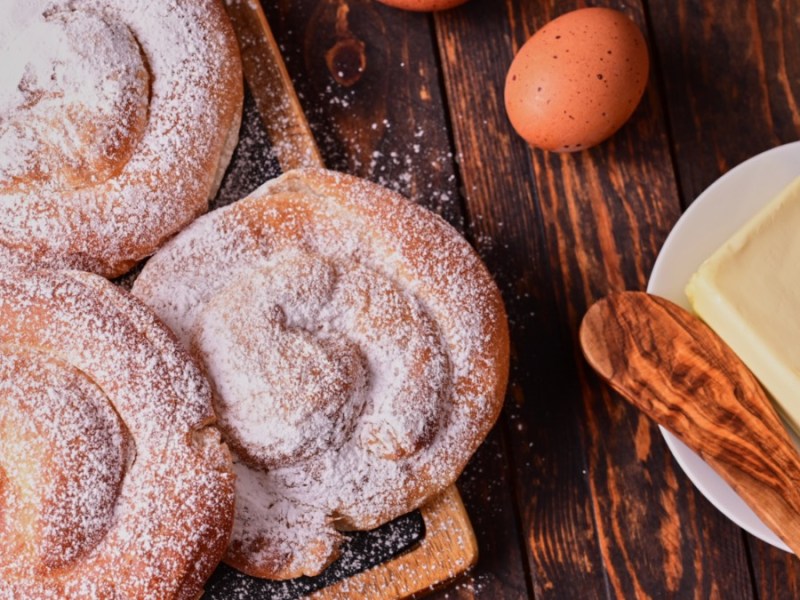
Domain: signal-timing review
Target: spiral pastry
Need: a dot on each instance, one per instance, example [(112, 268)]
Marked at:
[(113, 480), (117, 120), (358, 352)]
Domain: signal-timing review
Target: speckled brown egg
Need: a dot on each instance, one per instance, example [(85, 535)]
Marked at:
[(423, 5), (577, 80)]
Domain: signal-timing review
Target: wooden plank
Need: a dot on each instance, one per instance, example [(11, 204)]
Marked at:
[(449, 547), (733, 90), (486, 486), (389, 126), (549, 463), (776, 572), (732, 79), (575, 228)]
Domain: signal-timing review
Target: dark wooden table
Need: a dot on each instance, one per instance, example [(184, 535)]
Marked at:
[(574, 495)]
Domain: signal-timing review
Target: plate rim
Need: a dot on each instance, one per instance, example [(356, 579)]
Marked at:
[(662, 283)]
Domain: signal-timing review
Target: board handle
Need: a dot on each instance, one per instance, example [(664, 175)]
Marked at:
[(272, 89)]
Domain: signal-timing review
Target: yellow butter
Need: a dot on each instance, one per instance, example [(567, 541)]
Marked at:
[(748, 292)]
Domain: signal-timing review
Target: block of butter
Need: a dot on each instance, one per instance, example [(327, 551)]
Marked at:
[(748, 292)]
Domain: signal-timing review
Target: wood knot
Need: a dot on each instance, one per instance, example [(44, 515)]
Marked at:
[(347, 61)]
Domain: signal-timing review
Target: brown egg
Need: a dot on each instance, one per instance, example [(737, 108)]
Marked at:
[(423, 5), (577, 80)]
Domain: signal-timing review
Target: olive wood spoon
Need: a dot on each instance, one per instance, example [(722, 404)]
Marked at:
[(674, 368)]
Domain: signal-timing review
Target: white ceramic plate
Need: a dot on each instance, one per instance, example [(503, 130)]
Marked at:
[(713, 217)]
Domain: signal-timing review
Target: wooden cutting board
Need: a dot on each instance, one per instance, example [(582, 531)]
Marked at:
[(449, 547)]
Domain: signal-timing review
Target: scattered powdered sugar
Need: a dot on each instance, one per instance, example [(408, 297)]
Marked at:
[(253, 161), (113, 483), (312, 258), (114, 120)]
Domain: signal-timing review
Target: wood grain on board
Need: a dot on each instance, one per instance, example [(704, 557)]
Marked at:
[(274, 95), (448, 549)]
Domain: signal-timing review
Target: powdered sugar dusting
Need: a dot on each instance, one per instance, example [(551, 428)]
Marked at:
[(114, 120), (63, 450), (112, 483), (313, 259), (68, 124)]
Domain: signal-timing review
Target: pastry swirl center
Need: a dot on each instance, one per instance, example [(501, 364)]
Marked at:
[(63, 454), (307, 352), (73, 100)]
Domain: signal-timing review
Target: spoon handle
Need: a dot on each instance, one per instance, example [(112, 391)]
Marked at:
[(674, 368)]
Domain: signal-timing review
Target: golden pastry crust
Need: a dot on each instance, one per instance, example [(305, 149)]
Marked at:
[(114, 482), (116, 122), (358, 351)]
